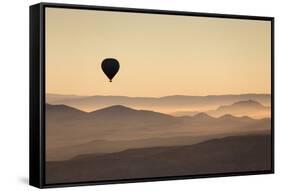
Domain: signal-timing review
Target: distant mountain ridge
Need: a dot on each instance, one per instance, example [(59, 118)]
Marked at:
[(243, 108), (115, 111), (63, 112), (120, 111), (247, 103), (66, 126), (248, 108), (168, 104), (202, 115)]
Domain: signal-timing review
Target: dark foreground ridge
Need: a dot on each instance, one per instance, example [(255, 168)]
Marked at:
[(230, 154)]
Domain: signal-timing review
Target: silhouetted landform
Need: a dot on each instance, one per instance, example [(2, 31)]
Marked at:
[(63, 112), (168, 104), (71, 132), (230, 154), (119, 113), (242, 108)]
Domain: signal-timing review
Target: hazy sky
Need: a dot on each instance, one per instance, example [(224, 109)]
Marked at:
[(159, 55)]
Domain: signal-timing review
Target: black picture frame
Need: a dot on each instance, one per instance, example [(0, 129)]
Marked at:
[(37, 92)]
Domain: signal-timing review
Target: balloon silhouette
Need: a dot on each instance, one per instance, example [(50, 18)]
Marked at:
[(110, 67)]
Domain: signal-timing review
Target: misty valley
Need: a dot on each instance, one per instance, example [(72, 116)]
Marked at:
[(121, 142)]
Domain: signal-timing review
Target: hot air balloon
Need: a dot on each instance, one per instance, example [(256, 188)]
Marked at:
[(110, 67)]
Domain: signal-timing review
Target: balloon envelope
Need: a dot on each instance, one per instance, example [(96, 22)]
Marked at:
[(110, 67)]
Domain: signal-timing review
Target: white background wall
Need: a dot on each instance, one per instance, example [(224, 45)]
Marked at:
[(14, 88)]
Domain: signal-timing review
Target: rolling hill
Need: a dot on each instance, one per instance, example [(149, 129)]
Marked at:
[(248, 108), (117, 128), (230, 154), (243, 108)]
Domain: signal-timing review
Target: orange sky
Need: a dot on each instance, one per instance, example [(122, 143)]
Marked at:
[(159, 55)]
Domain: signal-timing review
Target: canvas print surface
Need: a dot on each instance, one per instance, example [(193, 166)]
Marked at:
[(133, 95)]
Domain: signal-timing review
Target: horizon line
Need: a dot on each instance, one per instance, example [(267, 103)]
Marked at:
[(157, 96)]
